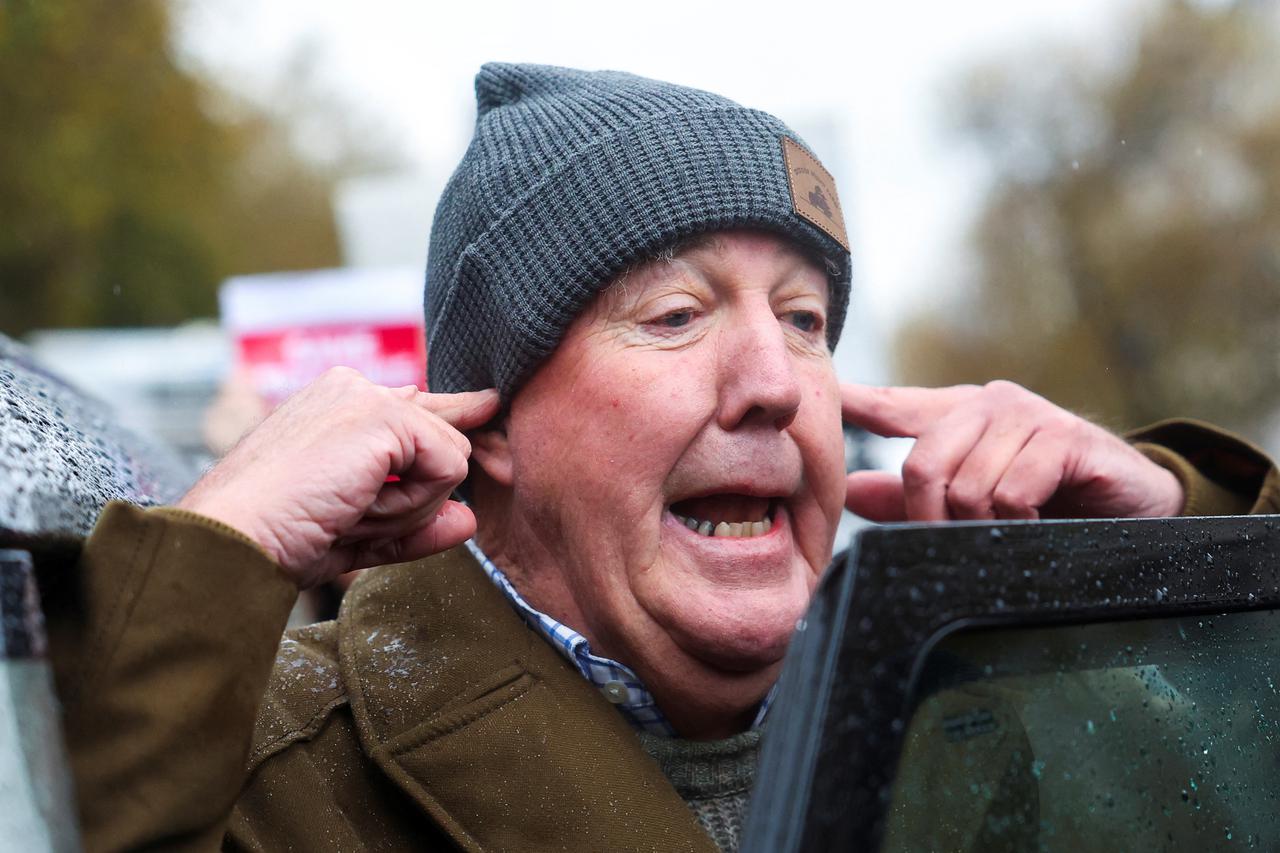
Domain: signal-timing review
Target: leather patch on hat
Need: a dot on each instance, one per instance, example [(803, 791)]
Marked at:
[(813, 192)]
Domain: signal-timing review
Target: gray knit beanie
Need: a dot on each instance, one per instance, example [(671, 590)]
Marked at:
[(572, 176)]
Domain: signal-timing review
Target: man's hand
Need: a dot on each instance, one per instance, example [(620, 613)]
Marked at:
[(999, 451), (310, 483)]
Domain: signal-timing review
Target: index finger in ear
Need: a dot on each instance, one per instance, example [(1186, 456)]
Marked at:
[(899, 412), (463, 411)]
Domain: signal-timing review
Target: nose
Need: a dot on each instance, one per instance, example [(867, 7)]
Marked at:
[(758, 381)]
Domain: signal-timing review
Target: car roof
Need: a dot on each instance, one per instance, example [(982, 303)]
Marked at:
[(63, 455)]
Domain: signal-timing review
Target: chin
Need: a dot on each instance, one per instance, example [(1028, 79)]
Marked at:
[(734, 630)]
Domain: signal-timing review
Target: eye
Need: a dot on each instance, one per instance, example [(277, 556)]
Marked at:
[(805, 321), (675, 319)]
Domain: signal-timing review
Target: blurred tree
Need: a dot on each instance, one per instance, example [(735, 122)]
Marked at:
[(1127, 259), (129, 186)]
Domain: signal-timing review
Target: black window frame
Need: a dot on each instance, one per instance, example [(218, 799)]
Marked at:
[(899, 590)]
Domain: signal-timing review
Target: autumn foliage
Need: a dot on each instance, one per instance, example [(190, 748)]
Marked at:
[(1126, 261), (129, 185)]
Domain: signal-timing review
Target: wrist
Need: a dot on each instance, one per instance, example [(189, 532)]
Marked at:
[(1173, 495), (177, 511), (224, 513), (1170, 499)]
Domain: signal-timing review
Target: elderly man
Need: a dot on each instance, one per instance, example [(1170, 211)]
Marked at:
[(632, 296)]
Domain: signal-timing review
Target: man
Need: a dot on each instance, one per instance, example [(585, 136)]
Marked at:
[(632, 296)]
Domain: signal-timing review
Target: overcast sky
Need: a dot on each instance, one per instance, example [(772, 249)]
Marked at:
[(875, 74)]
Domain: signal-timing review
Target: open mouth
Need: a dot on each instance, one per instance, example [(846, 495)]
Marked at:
[(734, 516)]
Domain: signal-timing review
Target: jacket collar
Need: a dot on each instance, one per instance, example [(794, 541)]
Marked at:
[(488, 728)]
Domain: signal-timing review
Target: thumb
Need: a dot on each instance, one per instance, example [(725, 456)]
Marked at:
[(876, 496), (453, 524)]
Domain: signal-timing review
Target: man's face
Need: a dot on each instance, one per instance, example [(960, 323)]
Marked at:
[(696, 392)]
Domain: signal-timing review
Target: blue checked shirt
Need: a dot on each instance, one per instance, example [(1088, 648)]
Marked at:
[(616, 681)]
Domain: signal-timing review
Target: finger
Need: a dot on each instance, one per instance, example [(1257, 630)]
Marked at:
[(438, 456), (406, 392), (933, 461), (875, 495), (425, 405), (393, 526), (463, 411), (433, 424), (971, 494), (402, 498), (452, 525), (1032, 478), (900, 412)]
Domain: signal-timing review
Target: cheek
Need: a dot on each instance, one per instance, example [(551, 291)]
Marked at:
[(621, 422), (821, 436), (823, 414), (652, 414)]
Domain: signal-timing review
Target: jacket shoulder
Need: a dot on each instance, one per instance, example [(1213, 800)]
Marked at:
[(306, 686)]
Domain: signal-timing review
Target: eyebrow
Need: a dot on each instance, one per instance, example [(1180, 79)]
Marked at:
[(708, 239)]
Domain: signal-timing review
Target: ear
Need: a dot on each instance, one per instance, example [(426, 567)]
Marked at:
[(492, 452)]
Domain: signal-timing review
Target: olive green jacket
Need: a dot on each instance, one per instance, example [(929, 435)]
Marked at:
[(428, 716)]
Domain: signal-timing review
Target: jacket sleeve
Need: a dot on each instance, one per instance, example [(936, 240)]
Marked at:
[(162, 641), (1220, 473)]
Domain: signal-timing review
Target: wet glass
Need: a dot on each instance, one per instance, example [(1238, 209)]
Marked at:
[(37, 810), (1153, 734)]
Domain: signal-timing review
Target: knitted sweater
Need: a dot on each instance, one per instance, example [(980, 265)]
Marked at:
[(713, 777)]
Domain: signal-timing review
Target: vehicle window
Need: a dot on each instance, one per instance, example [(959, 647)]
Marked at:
[(1154, 734), (36, 804)]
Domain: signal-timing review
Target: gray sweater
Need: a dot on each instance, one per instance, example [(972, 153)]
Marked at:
[(713, 777)]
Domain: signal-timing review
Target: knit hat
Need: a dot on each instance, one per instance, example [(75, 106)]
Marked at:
[(572, 176)]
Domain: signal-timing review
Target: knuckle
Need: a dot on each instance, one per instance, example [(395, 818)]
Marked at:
[(456, 468), (1062, 427), (1010, 500), (920, 469), (340, 374), (965, 497), (1006, 391)]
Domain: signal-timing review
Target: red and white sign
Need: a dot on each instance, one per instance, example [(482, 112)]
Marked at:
[(288, 328)]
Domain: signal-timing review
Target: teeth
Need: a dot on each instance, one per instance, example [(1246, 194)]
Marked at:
[(734, 529)]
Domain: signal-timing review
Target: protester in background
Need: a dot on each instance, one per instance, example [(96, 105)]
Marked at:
[(652, 278)]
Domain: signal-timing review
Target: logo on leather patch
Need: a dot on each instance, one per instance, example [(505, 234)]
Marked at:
[(813, 192)]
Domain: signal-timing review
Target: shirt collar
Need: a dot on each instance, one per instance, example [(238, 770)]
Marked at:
[(615, 680)]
